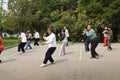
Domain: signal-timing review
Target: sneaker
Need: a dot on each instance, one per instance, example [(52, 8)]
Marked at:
[(18, 52), (92, 57), (42, 65), (109, 49), (26, 48), (23, 52)]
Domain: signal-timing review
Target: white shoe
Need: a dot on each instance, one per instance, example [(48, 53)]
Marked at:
[(42, 65), (18, 52)]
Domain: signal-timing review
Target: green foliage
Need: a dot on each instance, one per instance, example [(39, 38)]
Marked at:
[(8, 42), (75, 14)]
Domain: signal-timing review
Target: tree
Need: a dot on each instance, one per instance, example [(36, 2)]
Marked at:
[(75, 14)]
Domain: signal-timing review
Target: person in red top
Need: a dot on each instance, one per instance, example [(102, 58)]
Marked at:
[(1, 46), (105, 33)]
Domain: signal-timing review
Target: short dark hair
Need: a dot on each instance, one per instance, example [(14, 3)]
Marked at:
[(50, 29), (63, 30), (22, 31), (89, 26)]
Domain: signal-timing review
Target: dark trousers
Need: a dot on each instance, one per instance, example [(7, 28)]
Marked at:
[(28, 44), (109, 43), (0, 54), (21, 47), (94, 44), (48, 55), (36, 42), (87, 42)]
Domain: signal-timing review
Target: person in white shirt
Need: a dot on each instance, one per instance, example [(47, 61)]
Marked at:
[(51, 41), (67, 34), (37, 38), (23, 41), (29, 40), (63, 39)]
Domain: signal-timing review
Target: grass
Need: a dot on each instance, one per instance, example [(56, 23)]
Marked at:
[(10, 42)]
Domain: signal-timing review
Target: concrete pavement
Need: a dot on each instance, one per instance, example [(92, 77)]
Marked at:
[(76, 65)]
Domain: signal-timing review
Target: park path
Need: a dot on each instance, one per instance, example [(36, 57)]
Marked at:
[(76, 65)]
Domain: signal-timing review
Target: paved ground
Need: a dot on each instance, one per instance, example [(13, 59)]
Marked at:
[(76, 65)]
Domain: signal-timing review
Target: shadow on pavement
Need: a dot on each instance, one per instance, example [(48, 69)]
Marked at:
[(9, 60), (68, 53), (100, 55), (61, 60)]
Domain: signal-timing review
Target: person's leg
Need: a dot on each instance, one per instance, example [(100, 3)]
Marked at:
[(64, 51), (22, 47), (86, 45), (92, 50), (19, 47), (111, 38), (0, 59), (109, 45), (50, 55), (37, 42), (106, 41), (93, 47), (29, 44), (67, 42), (96, 44), (88, 42), (61, 49), (47, 56)]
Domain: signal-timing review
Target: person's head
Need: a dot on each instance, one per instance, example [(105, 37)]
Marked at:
[(35, 30), (89, 27), (63, 31), (106, 28), (109, 28), (28, 31), (65, 28), (85, 29), (49, 31), (21, 31)]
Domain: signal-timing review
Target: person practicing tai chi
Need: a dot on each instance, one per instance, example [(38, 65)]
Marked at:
[(110, 38), (86, 40), (36, 37), (105, 33), (63, 39), (22, 43), (94, 41), (1, 47), (67, 34), (51, 41), (29, 40)]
